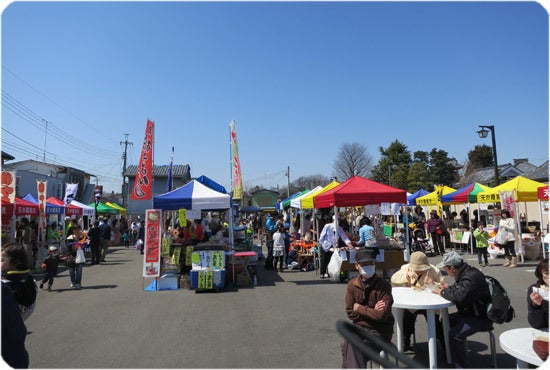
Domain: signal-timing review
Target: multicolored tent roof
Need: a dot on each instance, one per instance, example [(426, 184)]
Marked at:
[(526, 190), (466, 194)]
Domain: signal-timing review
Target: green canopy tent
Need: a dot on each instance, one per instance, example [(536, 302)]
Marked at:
[(103, 208)]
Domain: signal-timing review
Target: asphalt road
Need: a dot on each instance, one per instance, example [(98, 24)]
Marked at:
[(287, 321)]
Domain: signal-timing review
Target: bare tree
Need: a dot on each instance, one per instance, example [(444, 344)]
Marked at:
[(352, 159)]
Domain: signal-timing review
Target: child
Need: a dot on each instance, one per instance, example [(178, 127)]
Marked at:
[(278, 248), (481, 236), (50, 264), (292, 259), (126, 238)]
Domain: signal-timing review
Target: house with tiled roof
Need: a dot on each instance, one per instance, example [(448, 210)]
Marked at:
[(520, 167)]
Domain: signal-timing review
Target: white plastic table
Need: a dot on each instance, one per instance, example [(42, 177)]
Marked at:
[(408, 298), (519, 343)]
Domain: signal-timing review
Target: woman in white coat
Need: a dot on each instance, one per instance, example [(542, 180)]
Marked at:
[(509, 225)]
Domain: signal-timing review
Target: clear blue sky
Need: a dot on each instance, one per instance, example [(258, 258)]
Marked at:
[(299, 79)]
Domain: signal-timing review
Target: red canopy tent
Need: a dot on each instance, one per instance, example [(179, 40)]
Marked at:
[(22, 208), (359, 191)]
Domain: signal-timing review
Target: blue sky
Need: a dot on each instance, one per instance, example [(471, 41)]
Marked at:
[(299, 79)]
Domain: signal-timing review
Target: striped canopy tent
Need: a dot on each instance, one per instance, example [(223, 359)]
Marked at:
[(432, 199), (466, 194), (121, 209), (307, 201), (525, 190), (411, 199)]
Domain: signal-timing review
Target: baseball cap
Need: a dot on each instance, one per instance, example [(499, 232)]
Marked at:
[(53, 248), (451, 259)]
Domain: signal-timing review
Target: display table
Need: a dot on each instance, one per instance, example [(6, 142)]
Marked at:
[(247, 263), (519, 343), (303, 246), (408, 298)]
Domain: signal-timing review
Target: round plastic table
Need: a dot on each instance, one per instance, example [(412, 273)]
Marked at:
[(519, 343)]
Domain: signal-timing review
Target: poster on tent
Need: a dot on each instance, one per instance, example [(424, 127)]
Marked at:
[(152, 247), (507, 201)]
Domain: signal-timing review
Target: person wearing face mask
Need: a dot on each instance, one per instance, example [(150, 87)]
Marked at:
[(417, 271), (368, 304)]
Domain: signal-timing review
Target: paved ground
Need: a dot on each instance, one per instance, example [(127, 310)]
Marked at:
[(287, 321)]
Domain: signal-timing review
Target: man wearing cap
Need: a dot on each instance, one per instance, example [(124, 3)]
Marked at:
[(417, 271), (470, 294), (368, 304)]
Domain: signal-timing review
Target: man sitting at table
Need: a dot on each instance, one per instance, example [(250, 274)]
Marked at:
[(410, 274), (470, 294), (368, 304)]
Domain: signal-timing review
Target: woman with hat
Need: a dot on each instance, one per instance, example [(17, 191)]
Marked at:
[(368, 304), (417, 271)]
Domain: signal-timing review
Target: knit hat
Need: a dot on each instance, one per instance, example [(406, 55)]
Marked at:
[(419, 262), (451, 259)]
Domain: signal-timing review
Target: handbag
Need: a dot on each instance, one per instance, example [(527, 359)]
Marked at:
[(502, 236), (70, 261), (80, 257), (333, 267)]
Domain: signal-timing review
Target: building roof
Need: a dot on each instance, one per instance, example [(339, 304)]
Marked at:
[(540, 173), (178, 170), (7, 157)]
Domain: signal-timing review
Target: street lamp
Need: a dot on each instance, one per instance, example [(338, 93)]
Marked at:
[(483, 134)]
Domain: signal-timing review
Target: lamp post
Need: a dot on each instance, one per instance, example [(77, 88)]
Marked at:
[(483, 134)]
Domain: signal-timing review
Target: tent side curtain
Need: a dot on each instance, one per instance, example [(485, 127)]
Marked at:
[(193, 195)]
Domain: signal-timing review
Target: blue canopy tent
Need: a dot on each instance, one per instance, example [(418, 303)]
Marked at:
[(193, 195), (279, 205), (251, 209), (51, 209), (211, 184), (411, 199)]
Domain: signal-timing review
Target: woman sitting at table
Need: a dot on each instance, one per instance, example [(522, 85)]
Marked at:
[(538, 306), (417, 271)]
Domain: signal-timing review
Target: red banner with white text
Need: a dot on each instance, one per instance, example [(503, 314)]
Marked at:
[(152, 243), (143, 184)]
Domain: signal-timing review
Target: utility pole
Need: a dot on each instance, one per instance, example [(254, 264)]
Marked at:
[(45, 137), (124, 156), (288, 180)]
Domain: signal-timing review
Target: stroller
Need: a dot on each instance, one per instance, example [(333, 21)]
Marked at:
[(420, 242)]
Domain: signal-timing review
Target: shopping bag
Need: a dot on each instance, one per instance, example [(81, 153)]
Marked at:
[(502, 236), (80, 257), (333, 267)]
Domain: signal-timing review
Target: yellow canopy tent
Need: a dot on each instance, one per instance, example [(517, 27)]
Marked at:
[(433, 198), (525, 190), (307, 202)]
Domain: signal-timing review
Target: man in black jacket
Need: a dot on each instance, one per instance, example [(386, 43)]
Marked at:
[(470, 294)]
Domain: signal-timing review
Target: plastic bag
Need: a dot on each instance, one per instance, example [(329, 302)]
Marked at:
[(80, 257), (333, 267), (502, 236)]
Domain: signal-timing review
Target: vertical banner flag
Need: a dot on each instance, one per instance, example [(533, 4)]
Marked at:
[(151, 249), (169, 180), (507, 201), (41, 191), (8, 186), (235, 165), (70, 193), (143, 184)]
